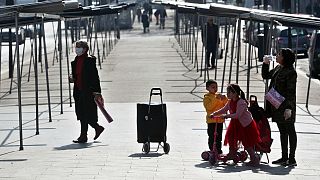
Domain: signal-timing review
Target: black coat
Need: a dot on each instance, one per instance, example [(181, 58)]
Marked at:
[(212, 32), (85, 106), (284, 80)]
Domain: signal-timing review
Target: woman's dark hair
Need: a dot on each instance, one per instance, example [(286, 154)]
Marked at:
[(83, 44), (210, 81), (235, 88), (288, 56)]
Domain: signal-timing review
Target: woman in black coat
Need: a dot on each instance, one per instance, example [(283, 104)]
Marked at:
[(284, 81), (86, 87)]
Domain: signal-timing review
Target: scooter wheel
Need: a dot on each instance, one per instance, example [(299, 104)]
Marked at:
[(205, 155), (236, 159), (243, 156), (212, 159)]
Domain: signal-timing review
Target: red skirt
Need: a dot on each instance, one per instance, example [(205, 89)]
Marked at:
[(233, 134), (236, 134), (251, 135)]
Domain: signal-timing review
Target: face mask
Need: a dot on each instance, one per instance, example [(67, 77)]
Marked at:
[(79, 51)]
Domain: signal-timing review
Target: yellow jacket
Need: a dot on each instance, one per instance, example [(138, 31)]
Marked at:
[(212, 103)]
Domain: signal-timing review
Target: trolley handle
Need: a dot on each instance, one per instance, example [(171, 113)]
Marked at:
[(153, 92), (253, 98), (156, 93)]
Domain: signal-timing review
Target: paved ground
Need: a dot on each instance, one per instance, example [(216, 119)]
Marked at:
[(138, 63)]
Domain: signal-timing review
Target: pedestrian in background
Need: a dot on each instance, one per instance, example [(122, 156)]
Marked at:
[(139, 13), (214, 101), (86, 87), (162, 17), (210, 39), (145, 21), (284, 81)]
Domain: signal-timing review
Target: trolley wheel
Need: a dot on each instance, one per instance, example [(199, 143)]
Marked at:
[(205, 155), (212, 158), (166, 148), (146, 147)]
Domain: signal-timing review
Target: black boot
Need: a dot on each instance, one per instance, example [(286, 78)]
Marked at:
[(290, 162), (81, 139), (282, 160)]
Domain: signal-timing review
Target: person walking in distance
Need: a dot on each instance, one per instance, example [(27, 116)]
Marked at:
[(210, 37), (145, 21), (284, 81), (86, 87)]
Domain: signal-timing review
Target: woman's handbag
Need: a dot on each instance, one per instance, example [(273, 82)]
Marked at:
[(274, 97)]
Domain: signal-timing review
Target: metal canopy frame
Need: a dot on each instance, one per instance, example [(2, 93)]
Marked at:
[(270, 17), (38, 13)]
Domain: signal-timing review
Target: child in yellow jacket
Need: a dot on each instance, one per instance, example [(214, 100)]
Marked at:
[(212, 102)]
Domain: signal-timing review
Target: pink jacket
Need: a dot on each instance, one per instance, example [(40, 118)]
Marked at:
[(242, 113)]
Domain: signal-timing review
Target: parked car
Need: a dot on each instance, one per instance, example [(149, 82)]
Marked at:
[(300, 39), (314, 55), (6, 33)]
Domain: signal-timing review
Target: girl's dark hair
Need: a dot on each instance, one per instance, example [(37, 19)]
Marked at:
[(288, 56), (210, 81), (235, 88)]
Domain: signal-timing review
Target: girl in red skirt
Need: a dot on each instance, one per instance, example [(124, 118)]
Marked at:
[(242, 128)]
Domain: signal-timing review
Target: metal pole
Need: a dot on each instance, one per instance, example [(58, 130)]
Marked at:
[(239, 50), (96, 40), (232, 51), (46, 68), (10, 56), (68, 66), (225, 56), (249, 58), (60, 62), (35, 66), (19, 83)]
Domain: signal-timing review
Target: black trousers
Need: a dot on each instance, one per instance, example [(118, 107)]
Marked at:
[(210, 131), (288, 134), (211, 58), (86, 110), (85, 124)]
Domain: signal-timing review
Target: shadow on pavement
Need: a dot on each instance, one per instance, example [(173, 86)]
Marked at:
[(240, 167), (142, 155), (74, 146)]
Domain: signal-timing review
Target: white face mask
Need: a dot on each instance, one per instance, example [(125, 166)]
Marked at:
[(79, 51)]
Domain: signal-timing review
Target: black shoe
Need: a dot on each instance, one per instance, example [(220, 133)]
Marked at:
[(81, 139), (280, 161), (99, 130), (290, 163)]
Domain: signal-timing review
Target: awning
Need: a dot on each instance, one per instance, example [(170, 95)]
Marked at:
[(223, 10), (95, 10), (53, 6)]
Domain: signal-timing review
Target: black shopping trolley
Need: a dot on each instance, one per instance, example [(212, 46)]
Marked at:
[(152, 123)]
